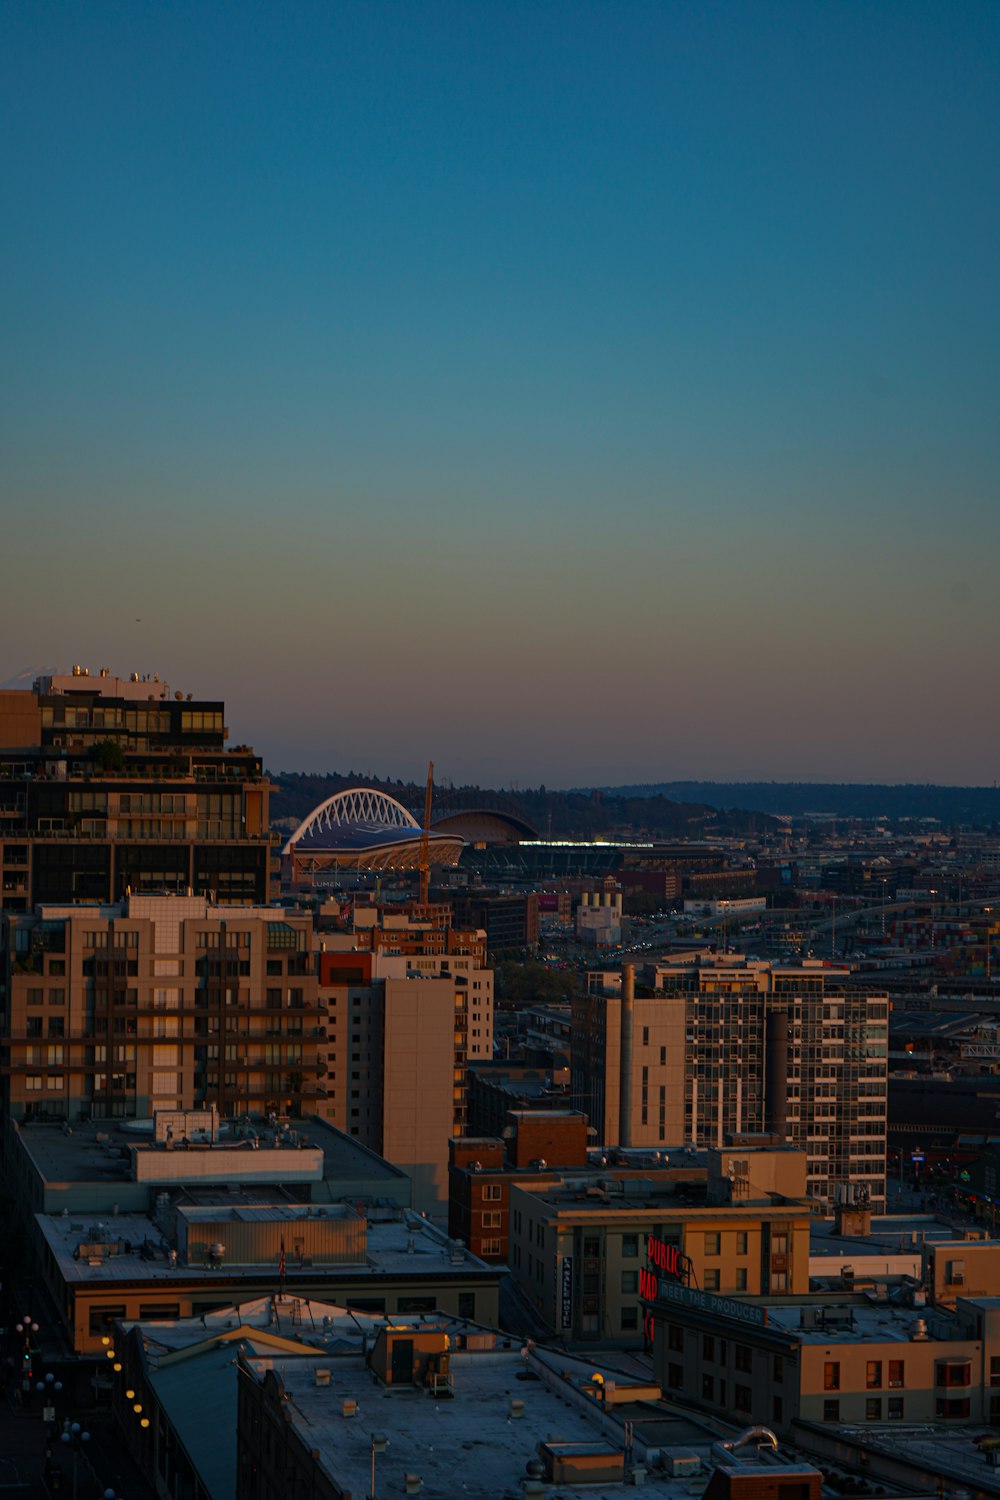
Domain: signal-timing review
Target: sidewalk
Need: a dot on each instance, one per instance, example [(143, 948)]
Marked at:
[(23, 1438)]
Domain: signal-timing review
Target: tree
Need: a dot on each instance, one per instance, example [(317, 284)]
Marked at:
[(107, 755)]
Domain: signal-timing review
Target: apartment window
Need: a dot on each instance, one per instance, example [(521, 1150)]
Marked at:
[(897, 1373), (713, 1243), (741, 1278), (831, 1375), (675, 1377), (491, 1218), (873, 1409), (831, 1411), (873, 1375), (994, 1370), (163, 1310), (741, 1242), (33, 1026), (630, 1246), (36, 997), (645, 1036), (952, 1408), (57, 996), (777, 1409), (630, 1319), (708, 1347), (490, 1247), (663, 1056), (778, 1369), (707, 1388), (742, 1398), (956, 1272), (57, 1025), (101, 1318), (895, 1408), (675, 1339), (492, 1192), (743, 1359), (948, 1372), (630, 1283), (712, 1281)]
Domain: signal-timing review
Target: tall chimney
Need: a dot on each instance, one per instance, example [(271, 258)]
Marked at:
[(625, 1057)]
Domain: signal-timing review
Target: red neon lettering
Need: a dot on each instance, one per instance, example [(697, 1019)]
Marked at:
[(666, 1258)]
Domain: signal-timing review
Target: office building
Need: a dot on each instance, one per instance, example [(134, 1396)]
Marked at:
[(110, 786), (702, 1049)]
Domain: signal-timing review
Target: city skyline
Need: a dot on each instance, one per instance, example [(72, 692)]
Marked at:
[(569, 394)]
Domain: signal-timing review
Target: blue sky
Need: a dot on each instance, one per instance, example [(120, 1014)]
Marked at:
[(567, 392)]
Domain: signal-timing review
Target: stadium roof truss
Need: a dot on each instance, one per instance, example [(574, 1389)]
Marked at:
[(369, 830)]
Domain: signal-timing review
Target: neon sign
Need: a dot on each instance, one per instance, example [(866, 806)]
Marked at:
[(665, 1260)]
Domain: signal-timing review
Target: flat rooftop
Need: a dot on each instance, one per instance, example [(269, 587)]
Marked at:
[(579, 1193), (897, 1234), (470, 1445), (100, 1151), (954, 1455), (405, 1246), (847, 1322)]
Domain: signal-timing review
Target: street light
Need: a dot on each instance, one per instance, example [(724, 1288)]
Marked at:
[(75, 1438)]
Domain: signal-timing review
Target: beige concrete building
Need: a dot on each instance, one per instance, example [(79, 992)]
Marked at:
[(406, 1014), (699, 1049), (843, 1361), (157, 1003), (588, 1257), (130, 1266)]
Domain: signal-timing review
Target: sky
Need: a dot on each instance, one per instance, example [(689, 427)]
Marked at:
[(564, 392)]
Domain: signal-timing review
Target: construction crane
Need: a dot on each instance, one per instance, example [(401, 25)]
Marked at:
[(425, 838)]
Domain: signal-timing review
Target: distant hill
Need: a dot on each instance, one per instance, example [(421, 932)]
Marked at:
[(579, 815), (978, 806)]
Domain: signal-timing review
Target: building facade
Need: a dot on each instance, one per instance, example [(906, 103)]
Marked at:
[(699, 1050), (160, 1002), (406, 1015), (110, 785), (583, 1253)]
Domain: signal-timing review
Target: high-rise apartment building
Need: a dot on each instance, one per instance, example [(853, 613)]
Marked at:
[(159, 1003), (695, 1052), (407, 1013), (111, 786)]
